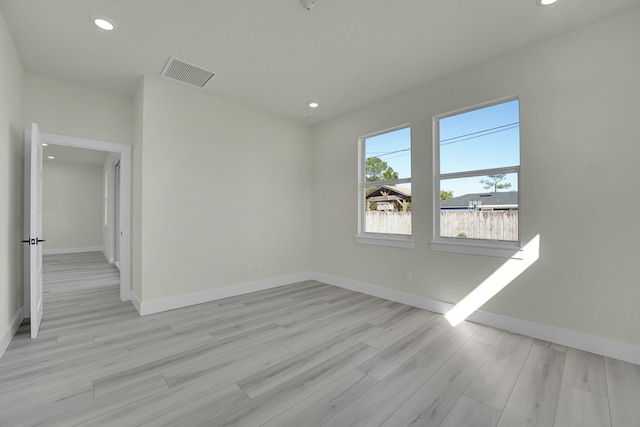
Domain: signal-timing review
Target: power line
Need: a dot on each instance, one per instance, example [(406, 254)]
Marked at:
[(471, 135), (396, 157), (389, 152), (510, 125), (486, 132)]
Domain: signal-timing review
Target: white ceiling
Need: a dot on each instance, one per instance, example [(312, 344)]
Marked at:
[(74, 155), (276, 56)]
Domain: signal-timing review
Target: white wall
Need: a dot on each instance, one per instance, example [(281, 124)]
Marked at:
[(72, 205), (68, 109), (579, 97), (223, 186), (136, 191), (11, 136)]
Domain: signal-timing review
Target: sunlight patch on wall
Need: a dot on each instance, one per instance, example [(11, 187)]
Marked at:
[(493, 284)]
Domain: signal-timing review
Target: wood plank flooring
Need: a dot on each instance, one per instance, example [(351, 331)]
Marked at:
[(307, 354)]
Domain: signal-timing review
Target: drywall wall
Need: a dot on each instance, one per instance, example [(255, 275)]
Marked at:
[(72, 205), (68, 109), (225, 193), (11, 183), (579, 110), (136, 191)]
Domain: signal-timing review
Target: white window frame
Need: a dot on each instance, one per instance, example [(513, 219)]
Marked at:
[(497, 248), (379, 239)]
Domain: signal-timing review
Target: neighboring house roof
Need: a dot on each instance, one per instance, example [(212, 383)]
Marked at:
[(503, 199), (392, 193)]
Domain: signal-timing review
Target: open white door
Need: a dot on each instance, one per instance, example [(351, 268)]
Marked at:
[(33, 226)]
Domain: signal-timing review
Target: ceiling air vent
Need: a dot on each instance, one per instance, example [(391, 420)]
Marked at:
[(186, 73)]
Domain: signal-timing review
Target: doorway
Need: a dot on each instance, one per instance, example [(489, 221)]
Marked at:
[(123, 192)]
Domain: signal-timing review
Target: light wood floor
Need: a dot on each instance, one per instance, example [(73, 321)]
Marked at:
[(308, 354)]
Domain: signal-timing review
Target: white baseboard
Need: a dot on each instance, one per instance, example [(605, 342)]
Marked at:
[(386, 293), (602, 346), (165, 304), (10, 331), (57, 251), (135, 300), (591, 343)]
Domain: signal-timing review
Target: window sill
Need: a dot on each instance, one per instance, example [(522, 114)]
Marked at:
[(391, 240), (501, 250)]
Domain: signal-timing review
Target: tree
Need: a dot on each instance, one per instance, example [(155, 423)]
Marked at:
[(445, 195), (494, 182), (377, 169)]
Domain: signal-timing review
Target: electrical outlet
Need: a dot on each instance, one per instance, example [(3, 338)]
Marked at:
[(407, 278)]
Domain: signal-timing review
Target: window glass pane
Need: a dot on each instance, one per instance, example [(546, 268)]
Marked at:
[(388, 156), (388, 209), (499, 183), (486, 138), (480, 207)]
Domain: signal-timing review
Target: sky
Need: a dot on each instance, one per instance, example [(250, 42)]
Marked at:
[(479, 139), (394, 148)]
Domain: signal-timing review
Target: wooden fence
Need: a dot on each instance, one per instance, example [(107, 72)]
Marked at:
[(388, 222), (495, 225)]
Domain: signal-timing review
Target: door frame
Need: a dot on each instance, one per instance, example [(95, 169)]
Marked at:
[(116, 217), (124, 192)]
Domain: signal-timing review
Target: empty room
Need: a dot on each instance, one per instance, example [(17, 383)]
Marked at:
[(320, 213)]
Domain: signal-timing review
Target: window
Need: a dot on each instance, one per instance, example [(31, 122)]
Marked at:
[(385, 188), (477, 173)]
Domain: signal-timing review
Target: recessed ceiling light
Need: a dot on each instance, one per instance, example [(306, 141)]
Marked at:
[(308, 4), (313, 104), (50, 157), (545, 2), (104, 22), (44, 144)]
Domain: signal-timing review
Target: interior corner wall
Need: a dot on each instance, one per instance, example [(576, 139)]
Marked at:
[(72, 205), (225, 193), (11, 182), (579, 98)]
